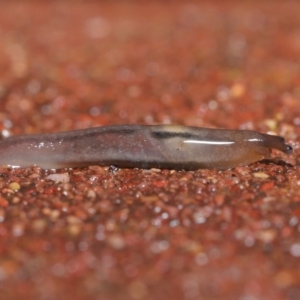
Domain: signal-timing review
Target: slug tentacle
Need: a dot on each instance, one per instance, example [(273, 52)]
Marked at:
[(141, 146)]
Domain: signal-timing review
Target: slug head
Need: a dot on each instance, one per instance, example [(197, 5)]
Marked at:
[(276, 142)]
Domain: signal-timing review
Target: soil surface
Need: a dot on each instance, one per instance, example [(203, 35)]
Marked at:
[(108, 233)]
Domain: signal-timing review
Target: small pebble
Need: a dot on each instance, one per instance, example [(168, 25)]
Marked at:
[(261, 175), (57, 178), (14, 186)]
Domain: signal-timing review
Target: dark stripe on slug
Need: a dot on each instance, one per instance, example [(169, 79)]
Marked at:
[(169, 135), (98, 133), (68, 136), (120, 131)]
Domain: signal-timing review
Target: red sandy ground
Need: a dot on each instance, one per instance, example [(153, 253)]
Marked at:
[(151, 234)]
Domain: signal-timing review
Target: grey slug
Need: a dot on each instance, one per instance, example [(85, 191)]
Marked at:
[(141, 146)]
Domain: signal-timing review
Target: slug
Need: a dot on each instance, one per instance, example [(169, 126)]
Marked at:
[(141, 146)]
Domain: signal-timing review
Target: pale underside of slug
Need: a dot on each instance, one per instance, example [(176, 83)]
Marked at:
[(141, 146)]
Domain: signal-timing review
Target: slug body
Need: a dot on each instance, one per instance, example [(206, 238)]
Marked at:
[(141, 146)]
